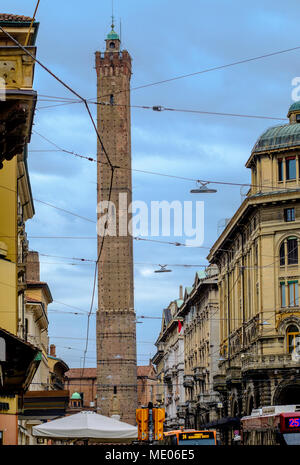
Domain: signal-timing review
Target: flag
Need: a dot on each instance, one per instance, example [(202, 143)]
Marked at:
[(179, 326)]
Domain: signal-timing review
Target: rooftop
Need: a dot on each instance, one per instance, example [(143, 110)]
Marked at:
[(5, 17), (77, 372), (283, 136), (146, 371), (277, 137)]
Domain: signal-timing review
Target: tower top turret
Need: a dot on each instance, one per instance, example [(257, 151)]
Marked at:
[(113, 40)]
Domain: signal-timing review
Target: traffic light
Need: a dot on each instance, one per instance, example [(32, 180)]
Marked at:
[(158, 419), (142, 418)]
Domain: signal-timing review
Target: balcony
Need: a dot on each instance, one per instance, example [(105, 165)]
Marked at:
[(208, 399), (199, 373), (219, 382), (268, 362), (188, 381), (233, 375)]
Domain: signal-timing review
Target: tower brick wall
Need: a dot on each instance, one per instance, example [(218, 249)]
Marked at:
[(116, 329)]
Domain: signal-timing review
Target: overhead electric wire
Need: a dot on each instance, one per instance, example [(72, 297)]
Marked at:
[(100, 142), (207, 70), (161, 108), (25, 50), (208, 181)]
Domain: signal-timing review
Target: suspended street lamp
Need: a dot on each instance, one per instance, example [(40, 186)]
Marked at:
[(203, 189), (162, 269)]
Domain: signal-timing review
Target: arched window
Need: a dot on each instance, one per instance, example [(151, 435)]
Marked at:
[(293, 338), (288, 252)]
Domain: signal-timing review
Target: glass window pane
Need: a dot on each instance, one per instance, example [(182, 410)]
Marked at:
[(291, 169), (282, 288), (292, 251), (291, 295), (281, 254), (289, 214), (290, 343), (280, 170), (296, 294)]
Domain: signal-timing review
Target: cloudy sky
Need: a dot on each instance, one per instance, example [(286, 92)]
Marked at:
[(166, 39)]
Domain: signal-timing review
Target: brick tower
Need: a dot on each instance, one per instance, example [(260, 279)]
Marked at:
[(116, 328)]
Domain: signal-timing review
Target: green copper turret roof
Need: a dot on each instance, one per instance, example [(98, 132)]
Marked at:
[(283, 136), (278, 137), (76, 395), (294, 107), (113, 35)]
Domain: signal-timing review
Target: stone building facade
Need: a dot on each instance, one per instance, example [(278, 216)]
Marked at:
[(258, 259), (171, 352), (200, 314), (116, 327)]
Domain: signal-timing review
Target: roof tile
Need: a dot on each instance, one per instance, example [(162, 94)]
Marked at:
[(76, 373), (14, 18)]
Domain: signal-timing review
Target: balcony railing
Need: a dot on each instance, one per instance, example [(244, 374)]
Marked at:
[(270, 361), (208, 398)]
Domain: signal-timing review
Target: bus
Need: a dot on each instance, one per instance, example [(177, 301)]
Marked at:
[(191, 437), (273, 425)]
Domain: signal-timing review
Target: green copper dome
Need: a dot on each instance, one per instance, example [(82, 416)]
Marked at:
[(113, 35), (278, 137), (294, 107), (76, 396)]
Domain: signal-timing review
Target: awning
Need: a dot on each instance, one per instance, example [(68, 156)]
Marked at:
[(87, 425), (45, 405), (20, 364)]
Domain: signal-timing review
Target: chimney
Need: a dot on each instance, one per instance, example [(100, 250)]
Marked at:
[(33, 266), (180, 292), (53, 350)]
